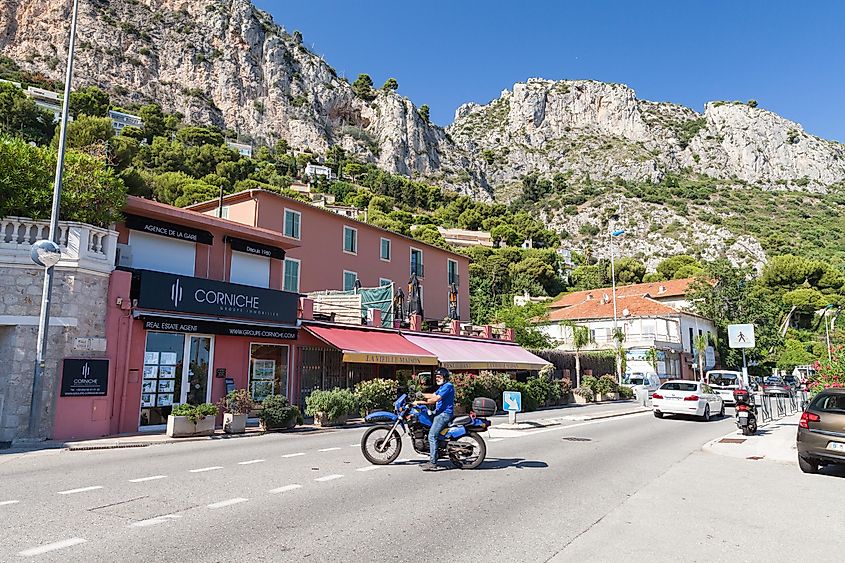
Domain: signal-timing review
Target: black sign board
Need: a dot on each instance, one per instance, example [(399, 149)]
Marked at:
[(184, 294), (212, 327), (168, 229), (230, 385), (220, 373), (250, 247), (85, 378)]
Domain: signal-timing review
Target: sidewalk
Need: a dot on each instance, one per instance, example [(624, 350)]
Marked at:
[(774, 441)]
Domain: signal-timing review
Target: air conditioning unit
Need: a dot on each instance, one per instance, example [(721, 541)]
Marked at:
[(124, 256)]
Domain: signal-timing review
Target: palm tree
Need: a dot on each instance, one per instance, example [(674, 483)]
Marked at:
[(651, 357), (581, 338), (701, 342)]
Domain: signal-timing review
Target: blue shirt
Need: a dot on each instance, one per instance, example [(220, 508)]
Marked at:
[(446, 404)]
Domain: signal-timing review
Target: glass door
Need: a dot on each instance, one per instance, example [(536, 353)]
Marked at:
[(162, 383), (196, 382)]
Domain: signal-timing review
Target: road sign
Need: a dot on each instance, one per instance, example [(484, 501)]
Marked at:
[(741, 336), (512, 401)]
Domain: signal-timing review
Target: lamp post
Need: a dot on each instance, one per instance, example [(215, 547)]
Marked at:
[(44, 253), (615, 234)]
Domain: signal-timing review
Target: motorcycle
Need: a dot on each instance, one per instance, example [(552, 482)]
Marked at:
[(746, 412), (460, 441)]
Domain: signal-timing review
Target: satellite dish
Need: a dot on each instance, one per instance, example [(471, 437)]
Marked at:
[(625, 312), (45, 253)]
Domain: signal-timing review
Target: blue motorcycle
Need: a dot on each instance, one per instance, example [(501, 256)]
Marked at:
[(461, 441)]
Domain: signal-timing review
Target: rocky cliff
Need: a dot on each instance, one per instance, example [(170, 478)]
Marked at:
[(227, 63)]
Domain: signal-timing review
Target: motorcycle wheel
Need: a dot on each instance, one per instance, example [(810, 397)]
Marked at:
[(373, 441), (460, 459)]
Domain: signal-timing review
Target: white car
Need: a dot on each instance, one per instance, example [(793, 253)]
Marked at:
[(725, 383), (682, 396), (636, 380)]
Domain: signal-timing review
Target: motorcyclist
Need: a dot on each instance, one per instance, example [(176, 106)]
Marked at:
[(444, 401)]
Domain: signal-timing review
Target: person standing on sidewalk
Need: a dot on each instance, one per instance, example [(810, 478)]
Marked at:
[(444, 399)]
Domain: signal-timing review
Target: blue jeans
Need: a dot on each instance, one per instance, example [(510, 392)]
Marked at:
[(440, 422)]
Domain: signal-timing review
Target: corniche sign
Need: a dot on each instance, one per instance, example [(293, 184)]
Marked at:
[(185, 294), (85, 378), (170, 230), (250, 247)]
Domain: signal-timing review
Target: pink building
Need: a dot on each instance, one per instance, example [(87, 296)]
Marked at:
[(332, 251)]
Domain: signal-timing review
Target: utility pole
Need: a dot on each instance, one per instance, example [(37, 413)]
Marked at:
[(617, 340), (44, 317)]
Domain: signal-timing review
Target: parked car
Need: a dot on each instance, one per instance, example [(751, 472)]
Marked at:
[(821, 431), (775, 385), (793, 381), (681, 396), (636, 380), (724, 383)]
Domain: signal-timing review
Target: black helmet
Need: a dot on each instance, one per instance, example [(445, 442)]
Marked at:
[(443, 372)]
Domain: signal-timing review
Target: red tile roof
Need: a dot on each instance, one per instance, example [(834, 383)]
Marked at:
[(671, 288), (626, 306)]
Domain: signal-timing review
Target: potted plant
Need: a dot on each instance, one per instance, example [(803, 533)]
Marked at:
[(565, 391), (330, 408), (606, 388), (191, 420), (236, 406), (278, 414), (583, 395)]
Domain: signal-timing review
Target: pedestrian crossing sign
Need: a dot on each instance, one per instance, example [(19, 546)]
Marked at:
[(741, 336)]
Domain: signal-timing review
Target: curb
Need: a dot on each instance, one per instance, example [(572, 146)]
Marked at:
[(534, 424)]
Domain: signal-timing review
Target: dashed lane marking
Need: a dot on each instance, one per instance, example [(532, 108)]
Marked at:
[(145, 479), (285, 489), (495, 439), (82, 490), (8, 502), (203, 469), (328, 450), (51, 547), (328, 478), (368, 468), (354, 445), (229, 502), (250, 462), (294, 455), (154, 521)]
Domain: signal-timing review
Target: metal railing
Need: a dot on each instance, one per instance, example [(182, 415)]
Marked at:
[(774, 407)]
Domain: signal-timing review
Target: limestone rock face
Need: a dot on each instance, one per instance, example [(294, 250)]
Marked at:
[(227, 63)]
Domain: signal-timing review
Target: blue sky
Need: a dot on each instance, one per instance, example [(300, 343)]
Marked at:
[(786, 55)]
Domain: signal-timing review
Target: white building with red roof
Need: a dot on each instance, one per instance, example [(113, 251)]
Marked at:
[(651, 315)]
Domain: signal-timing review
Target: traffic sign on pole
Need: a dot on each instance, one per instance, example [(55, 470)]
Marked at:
[(741, 336), (512, 401)]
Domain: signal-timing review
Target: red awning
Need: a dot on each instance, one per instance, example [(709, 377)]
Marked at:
[(373, 346), (474, 353)]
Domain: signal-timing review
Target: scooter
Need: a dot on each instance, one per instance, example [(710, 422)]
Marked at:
[(746, 412)]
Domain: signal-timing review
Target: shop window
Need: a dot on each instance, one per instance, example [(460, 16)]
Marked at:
[(268, 370), (161, 386)]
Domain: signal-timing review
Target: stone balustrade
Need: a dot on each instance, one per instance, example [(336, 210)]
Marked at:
[(83, 246)]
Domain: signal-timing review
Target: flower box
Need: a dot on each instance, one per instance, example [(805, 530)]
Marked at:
[(234, 423), (580, 399), (320, 419), (182, 427)]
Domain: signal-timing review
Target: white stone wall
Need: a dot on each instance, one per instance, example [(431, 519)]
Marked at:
[(78, 310)]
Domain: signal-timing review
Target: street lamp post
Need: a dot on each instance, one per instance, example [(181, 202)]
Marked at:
[(614, 234), (44, 317)]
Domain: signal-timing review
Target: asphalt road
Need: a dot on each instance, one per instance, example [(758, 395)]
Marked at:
[(297, 497)]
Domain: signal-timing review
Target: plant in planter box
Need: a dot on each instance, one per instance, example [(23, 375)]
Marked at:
[(565, 389), (606, 387), (330, 407), (236, 406), (376, 394), (191, 420), (583, 395), (277, 413)]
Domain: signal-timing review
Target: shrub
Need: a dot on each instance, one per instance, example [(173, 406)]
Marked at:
[(585, 392), (279, 413), (376, 394), (467, 388), (589, 382), (236, 402), (529, 401), (565, 387), (542, 389), (492, 385), (625, 392), (334, 404), (606, 384), (195, 413)]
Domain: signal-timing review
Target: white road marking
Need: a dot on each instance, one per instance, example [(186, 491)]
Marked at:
[(202, 469), (495, 439), (143, 479), (8, 502), (354, 445), (368, 468), (82, 490), (285, 489), (154, 521), (250, 462), (51, 547), (328, 449), (328, 478), (294, 455), (229, 502)]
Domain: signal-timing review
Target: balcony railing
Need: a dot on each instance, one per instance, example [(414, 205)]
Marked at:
[(83, 246)]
